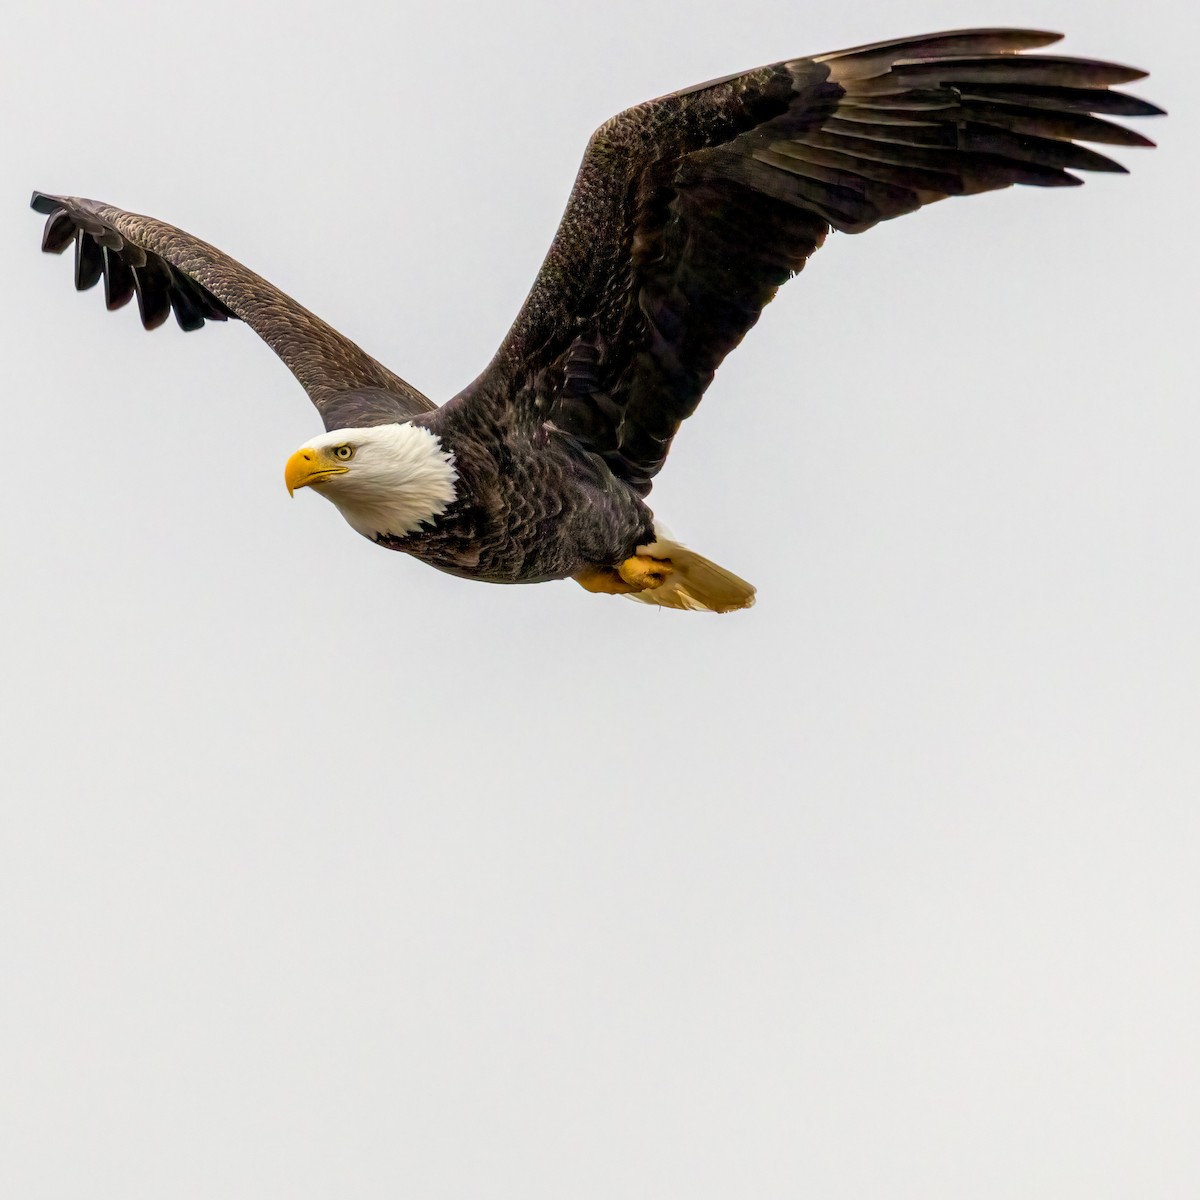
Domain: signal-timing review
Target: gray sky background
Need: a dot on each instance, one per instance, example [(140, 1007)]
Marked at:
[(323, 874)]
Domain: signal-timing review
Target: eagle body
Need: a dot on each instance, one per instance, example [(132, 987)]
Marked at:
[(531, 505), (688, 213)]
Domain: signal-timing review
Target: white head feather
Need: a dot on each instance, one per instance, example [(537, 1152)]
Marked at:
[(398, 480)]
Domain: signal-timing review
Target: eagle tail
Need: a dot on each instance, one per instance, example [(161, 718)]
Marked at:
[(695, 583)]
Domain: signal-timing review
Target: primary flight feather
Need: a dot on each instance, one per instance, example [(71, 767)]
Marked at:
[(687, 215)]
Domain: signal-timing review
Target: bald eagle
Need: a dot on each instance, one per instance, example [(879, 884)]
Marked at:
[(687, 215)]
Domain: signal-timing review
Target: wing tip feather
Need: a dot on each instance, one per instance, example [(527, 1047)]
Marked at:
[(44, 203)]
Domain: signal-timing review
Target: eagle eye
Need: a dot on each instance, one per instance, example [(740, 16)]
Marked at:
[(343, 452)]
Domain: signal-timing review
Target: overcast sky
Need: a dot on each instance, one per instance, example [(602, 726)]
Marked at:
[(324, 874)]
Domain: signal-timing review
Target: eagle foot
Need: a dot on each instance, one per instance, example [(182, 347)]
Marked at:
[(637, 574), (644, 573)]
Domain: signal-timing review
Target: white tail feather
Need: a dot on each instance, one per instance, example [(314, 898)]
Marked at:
[(695, 583)]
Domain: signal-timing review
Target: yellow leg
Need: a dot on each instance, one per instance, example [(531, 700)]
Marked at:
[(604, 580), (636, 574)]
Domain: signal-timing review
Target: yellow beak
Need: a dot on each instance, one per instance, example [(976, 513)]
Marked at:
[(307, 467)]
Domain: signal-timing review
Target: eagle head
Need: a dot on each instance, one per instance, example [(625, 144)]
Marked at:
[(386, 480)]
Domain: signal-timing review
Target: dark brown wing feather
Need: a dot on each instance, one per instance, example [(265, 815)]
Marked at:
[(170, 271), (690, 211)]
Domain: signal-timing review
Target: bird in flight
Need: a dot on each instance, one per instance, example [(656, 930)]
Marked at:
[(687, 215)]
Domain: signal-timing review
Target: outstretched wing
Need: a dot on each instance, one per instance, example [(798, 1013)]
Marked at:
[(691, 210), (171, 271)]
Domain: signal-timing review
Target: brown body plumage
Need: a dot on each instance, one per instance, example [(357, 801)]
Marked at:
[(688, 213)]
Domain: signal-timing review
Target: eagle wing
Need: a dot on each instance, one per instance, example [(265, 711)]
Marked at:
[(691, 210), (171, 271)]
